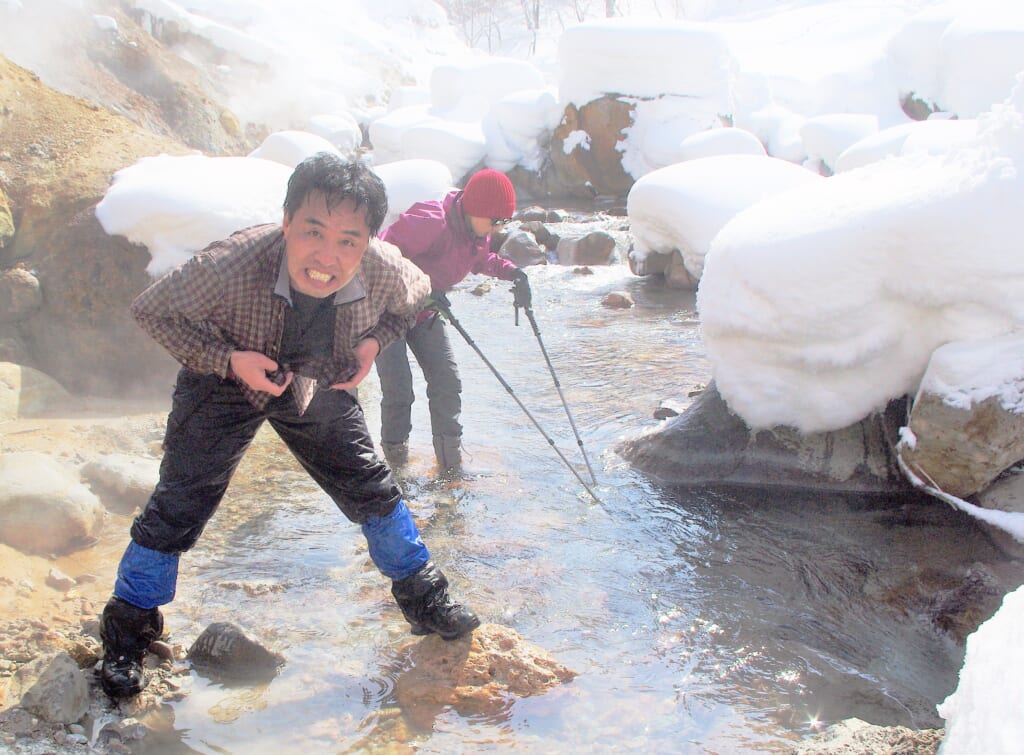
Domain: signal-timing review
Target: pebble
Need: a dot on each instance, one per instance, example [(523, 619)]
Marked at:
[(60, 581)]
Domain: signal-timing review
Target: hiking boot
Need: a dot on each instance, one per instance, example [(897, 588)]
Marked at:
[(122, 676), (427, 607), (126, 631), (396, 454)]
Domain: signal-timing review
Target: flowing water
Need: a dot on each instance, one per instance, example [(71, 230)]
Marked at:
[(698, 621)]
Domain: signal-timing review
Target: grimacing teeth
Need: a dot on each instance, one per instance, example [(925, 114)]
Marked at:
[(318, 276)]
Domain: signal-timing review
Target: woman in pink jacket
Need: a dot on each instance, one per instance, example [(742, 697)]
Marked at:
[(448, 240)]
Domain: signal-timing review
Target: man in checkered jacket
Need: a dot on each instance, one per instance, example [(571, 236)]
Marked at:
[(278, 323)]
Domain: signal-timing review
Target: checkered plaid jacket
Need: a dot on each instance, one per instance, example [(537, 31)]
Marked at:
[(223, 300)]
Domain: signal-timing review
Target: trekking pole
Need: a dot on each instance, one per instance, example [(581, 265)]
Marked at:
[(522, 298), (443, 307)]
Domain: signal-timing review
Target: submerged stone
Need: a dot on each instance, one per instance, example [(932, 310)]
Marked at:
[(476, 675)]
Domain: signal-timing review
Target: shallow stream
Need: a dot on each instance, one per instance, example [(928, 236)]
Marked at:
[(698, 621)]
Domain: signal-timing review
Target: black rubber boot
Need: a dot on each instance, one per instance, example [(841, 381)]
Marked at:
[(126, 631), (397, 454), (448, 450), (425, 603)]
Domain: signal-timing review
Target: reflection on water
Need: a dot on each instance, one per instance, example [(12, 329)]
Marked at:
[(698, 621)]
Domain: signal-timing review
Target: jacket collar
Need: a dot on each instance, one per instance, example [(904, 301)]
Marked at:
[(352, 291), (458, 221)]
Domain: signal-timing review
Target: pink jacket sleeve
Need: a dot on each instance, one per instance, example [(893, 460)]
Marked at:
[(496, 266)]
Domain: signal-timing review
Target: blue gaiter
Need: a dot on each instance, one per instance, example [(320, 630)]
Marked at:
[(395, 545), (146, 578)]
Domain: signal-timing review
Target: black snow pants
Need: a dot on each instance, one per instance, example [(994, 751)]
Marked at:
[(210, 426)]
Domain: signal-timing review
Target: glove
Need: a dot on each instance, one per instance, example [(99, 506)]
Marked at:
[(438, 301), (521, 295)]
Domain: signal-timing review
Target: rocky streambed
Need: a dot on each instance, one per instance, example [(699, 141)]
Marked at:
[(50, 700)]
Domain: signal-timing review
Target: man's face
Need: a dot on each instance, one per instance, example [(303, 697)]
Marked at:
[(324, 248)]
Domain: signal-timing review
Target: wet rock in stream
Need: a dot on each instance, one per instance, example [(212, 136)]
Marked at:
[(224, 650), (476, 675)]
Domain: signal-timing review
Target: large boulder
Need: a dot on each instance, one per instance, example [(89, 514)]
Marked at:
[(26, 392), (84, 335), (123, 482), (708, 444), (595, 248), (585, 154), (522, 248), (44, 509), (677, 211), (967, 422), (962, 450), (62, 154)]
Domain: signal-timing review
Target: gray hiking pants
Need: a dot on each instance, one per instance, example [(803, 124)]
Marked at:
[(429, 343)]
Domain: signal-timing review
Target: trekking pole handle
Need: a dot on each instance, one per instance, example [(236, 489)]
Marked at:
[(521, 294), (439, 304)]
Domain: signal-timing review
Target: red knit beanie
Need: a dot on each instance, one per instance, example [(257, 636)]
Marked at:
[(489, 194)]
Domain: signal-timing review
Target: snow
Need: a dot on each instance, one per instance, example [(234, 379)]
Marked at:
[(644, 58), (411, 181), (820, 299), (933, 136), (967, 373), (825, 137), (983, 714), (684, 206), (292, 147), (720, 141), (177, 205), (820, 305)]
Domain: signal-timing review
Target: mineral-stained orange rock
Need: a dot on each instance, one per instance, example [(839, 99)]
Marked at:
[(477, 675)]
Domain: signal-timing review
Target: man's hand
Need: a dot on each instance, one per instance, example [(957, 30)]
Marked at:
[(255, 370), (366, 351)]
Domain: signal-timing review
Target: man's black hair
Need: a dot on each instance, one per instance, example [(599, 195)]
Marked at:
[(338, 180)]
